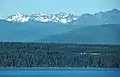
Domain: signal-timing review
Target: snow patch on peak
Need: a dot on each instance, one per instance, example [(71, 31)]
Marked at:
[(75, 18), (64, 20)]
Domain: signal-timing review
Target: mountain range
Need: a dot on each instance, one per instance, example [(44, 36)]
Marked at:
[(108, 17), (43, 17), (98, 28)]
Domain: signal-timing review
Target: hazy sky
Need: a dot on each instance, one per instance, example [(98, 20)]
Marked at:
[(78, 7)]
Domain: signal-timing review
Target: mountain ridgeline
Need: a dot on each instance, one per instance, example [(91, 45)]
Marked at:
[(98, 28), (100, 18), (104, 34), (29, 31)]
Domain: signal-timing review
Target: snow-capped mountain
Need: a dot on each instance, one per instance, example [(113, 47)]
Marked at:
[(43, 17), (18, 18)]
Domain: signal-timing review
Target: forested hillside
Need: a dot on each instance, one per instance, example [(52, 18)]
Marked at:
[(18, 54)]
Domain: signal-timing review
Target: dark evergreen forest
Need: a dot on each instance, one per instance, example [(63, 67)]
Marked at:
[(18, 54)]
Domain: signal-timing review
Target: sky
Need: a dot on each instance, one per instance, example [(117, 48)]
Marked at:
[(78, 7)]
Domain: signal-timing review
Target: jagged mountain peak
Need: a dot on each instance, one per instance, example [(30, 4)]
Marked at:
[(18, 17), (115, 10)]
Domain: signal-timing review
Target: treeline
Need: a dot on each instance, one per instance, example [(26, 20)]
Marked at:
[(18, 54)]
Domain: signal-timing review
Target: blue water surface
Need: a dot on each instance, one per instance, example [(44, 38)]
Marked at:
[(59, 72)]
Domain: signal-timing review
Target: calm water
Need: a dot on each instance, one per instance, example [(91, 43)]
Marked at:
[(59, 72)]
